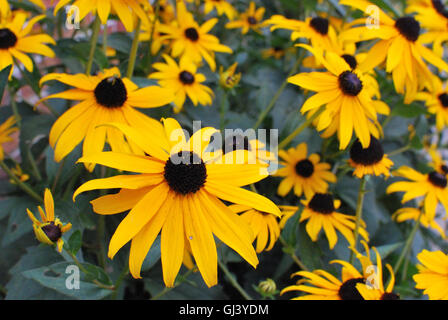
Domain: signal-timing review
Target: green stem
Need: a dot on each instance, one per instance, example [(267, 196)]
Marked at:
[(58, 175), (279, 92), (15, 110), (93, 44), (151, 36), (120, 279), (134, 49), (359, 206), (177, 283), (300, 128), (290, 251), (233, 281), (21, 184), (408, 243), (398, 151), (222, 109), (105, 39)]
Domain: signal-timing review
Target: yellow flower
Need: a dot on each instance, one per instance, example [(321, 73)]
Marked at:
[(320, 211), (17, 171), (287, 213), (177, 192), (432, 274), (221, 6), (184, 81), (15, 41), (191, 41), (105, 97), (124, 9), (6, 129), (306, 174), (399, 46), (369, 161), (408, 213), (436, 100), (264, 226), (431, 186), (348, 103), (228, 79), (437, 163), (49, 230), (250, 19), (156, 37), (256, 149)]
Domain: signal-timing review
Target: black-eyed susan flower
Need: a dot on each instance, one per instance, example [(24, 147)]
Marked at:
[(317, 30), (275, 52), (151, 31), (191, 41), (322, 285), (373, 288), (320, 211), (432, 16), (184, 81), (399, 46), (105, 97), (16, 41), (6, 129), (437, 162), (256, 149), (305, 174), (436, 100), (18, 172), (222, 7), (126, 10), (432, 186), (228, 79), (409, 213), (177, 192), (264, 225), (251, 19), (50, 229), (432, 276), (369, 161), (166, 11), (348, 104)]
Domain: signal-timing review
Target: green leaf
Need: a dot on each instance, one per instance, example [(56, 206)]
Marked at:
[(59, 277), (74, 243), (4, 74), (153, 255)]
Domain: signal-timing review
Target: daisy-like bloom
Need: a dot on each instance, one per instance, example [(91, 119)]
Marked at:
[(432, 274), (16, 41), (191, 41), (432, 16), (251, 19), (157, 40), (369, 161), (373, 288), (124, 9), (275, 52), (49, 230), (408, 213), (348, 103), (105, 97), (399, 46), (18, 172), (264, 226), (256, 149), (431, 186), (437, 162), (322, 285), (436, 101), (320, 211), (306, 174), (166, 11), (184, 81), (228, 79), (177, 192), (221, 6), (318, 30), (6, 129)]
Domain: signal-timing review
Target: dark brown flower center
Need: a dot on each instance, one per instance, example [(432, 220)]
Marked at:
[(8, 39), (437, 179), (348, 290), (443, 98), (349, 83), (351, 60), (390, 296), (252, 20), (408, 27), (440, 8), (236, 142), (52, 231), (369, 156), (185, 172), (192, 34), (304, 168), (444, 168), (186, 77), (111, 93), (320, 25), (322, 203)]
